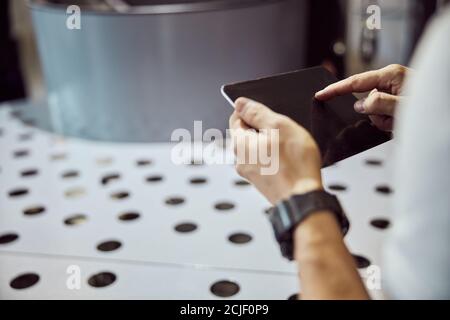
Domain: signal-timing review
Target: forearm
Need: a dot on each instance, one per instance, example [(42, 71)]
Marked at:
[(327, 269)]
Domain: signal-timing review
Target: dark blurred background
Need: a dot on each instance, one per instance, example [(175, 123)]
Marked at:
[(11, 80)]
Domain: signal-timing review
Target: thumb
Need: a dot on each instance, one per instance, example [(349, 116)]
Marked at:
[(378, 103), (255, 114)]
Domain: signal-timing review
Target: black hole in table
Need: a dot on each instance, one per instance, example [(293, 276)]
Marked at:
[(154, 178), (240, 238), (70, 174), (33, 211), (374, 162), (24, 281), (76, 219), (224, 206), (198, 180), (8, 238), (144, 162), (225, 289), (380, 223), (21, 153), (120, 195), (109, 246), (241, 183), (386, 190), (107, 179), (129, 216), (18, 192), (29, 172), (175, 201), (186, 227), (102, 279), (361, 262), (337, 187)]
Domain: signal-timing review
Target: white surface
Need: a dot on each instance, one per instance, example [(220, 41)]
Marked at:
[(154, 260), (136, 281)]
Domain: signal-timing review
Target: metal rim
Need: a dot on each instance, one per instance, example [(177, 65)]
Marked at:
[(121, 7)]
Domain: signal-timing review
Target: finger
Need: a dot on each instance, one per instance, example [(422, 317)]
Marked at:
[(378, 103), (232, 121), (359, 105), (236, 122), (362, 82), (255, 114)]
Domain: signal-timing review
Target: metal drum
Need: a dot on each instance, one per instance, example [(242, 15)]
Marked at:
[(137, 70)]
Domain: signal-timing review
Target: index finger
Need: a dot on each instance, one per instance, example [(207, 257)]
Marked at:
[(362, 82), (236, 122)]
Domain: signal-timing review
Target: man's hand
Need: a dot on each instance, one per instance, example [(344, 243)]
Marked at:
[(298, 156), (326, 268), (385, 85)]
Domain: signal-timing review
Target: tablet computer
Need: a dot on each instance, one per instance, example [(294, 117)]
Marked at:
[(339, 131)]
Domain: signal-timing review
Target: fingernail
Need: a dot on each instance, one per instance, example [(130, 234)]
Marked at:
[(318, 93), (359, 106), (241, 103)]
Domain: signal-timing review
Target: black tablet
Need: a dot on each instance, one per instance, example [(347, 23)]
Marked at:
[(339, 131)]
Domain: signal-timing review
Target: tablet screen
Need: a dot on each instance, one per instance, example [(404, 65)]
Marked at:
[(339, 131)]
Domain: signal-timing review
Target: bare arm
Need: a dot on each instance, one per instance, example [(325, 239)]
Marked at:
[(327, 269)]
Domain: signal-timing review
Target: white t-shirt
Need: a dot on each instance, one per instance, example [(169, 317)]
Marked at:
[(416, 256)]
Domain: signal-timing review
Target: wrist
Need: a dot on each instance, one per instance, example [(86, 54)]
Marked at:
[(309, 218), (306, 185), (300, 187), (317, 232)]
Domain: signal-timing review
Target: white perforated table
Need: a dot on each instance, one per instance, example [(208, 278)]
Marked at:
[(133, 225)]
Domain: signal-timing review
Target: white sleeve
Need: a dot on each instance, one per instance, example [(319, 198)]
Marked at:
[(416, 257)]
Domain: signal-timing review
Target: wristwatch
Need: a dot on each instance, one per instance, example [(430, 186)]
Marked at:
[(288, 214)]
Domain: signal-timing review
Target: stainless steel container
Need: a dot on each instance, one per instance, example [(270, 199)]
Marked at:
[(136, 73)]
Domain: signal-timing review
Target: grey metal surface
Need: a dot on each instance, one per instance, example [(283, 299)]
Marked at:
[(139, 77), (154, 260)]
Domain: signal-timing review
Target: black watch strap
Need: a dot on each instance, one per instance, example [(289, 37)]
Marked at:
[(288, 214)]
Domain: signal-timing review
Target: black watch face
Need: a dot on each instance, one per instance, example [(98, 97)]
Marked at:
[(339, 131)]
